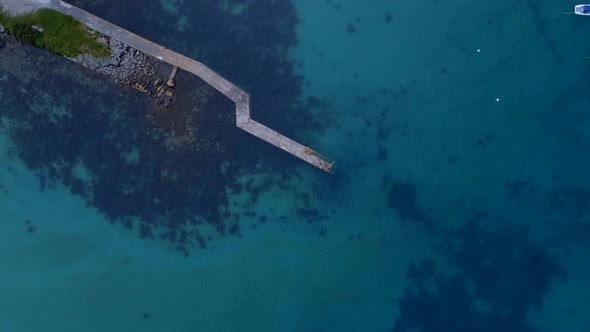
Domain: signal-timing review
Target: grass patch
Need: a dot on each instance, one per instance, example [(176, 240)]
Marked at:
[(60, 33)]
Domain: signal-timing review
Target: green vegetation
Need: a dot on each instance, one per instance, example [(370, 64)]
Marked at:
[(54, 31)]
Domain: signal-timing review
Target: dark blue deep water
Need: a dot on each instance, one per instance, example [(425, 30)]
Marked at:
[(460, 199)]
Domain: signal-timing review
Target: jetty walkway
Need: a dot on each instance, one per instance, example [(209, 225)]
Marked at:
[(237, 95)]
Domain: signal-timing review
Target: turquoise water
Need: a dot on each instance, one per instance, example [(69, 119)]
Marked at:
[(460, 199)]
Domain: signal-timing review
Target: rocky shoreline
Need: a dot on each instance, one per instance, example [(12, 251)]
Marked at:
[(126, 66), (131, 67)]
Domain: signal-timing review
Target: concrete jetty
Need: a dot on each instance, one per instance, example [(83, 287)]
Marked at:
[(230, 90)]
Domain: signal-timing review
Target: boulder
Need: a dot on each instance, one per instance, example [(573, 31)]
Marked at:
[(2, 36)]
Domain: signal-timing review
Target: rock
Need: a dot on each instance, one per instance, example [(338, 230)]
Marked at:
[(130, 67), (2, 36)]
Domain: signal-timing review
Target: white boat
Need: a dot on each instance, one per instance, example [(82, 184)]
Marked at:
[(582, 10)]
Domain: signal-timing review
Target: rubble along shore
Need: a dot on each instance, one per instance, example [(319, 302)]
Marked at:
[(126, 66), (131, 67)]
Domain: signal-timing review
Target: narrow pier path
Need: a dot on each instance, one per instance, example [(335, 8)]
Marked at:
[(240, 97)]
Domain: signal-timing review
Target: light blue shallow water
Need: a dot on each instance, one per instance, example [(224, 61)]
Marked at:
[(460, 200)]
